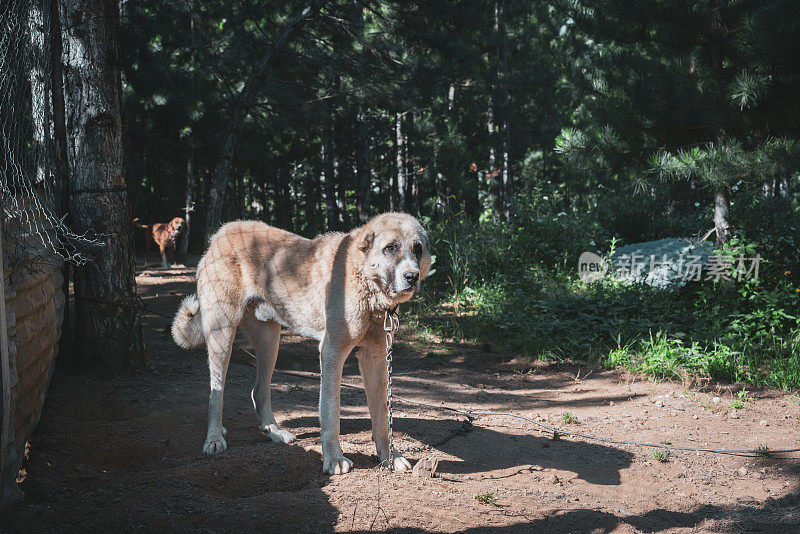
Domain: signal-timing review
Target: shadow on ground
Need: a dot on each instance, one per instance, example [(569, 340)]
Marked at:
[(123, 453)]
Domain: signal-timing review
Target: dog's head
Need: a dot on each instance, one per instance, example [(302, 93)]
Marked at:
[(397, 254), (176, 226)]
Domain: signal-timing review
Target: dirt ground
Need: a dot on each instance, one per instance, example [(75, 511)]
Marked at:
[(123, 454)]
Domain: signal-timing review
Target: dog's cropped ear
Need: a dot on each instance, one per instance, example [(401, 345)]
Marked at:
[(365, 240)]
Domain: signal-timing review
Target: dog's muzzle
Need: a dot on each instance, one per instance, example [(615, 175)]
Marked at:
[(406, 277)]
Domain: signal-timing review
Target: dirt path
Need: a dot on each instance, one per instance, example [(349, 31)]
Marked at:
[(123, 454)]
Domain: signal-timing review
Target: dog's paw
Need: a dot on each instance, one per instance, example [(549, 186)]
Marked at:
[(400, 463), (336, 465), (214, 445), (277, 435)]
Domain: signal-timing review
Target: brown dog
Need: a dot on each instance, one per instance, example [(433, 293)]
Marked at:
[(163, 234)]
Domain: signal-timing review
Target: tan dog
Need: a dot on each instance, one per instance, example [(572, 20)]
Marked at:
[(163, 235), (334, 288)]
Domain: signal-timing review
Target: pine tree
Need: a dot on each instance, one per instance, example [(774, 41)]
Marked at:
[(704, 91)]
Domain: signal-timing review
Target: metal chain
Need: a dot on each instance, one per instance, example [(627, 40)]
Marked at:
[(391, 322)]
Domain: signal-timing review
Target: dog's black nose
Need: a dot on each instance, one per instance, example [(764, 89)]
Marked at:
[(411, 276)]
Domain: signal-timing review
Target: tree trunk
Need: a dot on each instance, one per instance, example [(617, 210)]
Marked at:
[(362, 167), (62, 186), (400, 156), (40, 93), (245, 99), (343, 168), (283, 200), (440, 186), (329, 176), (507, 192), (188, 205), (722, 220), (411, 184), (108, 326), (494, 177), (311, 202), (59, 126)]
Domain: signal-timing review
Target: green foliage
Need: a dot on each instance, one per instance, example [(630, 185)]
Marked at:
[(659, 456), (568, 418), (615, 120), (521, 283), (487, 498)]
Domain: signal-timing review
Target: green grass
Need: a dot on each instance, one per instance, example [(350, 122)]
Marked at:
[(487, 498), (660, 456), (568, 418), (514, 288)]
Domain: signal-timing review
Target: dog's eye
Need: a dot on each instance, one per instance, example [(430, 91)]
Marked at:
[(417, 250), (391, 248)]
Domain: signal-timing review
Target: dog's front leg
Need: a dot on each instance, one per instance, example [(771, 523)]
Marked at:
[(332, 357), (372, 363), (164, 263)]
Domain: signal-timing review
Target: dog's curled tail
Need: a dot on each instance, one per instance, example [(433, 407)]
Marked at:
[(187, 329)]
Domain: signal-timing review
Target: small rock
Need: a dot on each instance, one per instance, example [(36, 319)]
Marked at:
[(733, 415), (553, 479), (715, 400), (743, 470), (611, 403), (659, 403), (758, 476), (763, 423), (426, 467), (680, 475), (694, 416)]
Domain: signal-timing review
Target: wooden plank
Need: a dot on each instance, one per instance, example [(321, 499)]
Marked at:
[(7, 480)]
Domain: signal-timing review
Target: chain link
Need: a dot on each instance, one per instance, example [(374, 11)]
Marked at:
[(391, 322)]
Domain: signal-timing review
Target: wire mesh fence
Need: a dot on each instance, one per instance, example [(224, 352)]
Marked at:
[(35, 236), (32, 190)]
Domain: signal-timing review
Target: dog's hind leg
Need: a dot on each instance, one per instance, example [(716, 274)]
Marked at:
[(147, 238), (372, 364), (219, 340), (265, 338)]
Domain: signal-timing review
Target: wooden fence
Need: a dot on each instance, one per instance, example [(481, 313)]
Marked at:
[(34, 311)]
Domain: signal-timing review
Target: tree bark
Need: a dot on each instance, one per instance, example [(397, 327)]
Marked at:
[(245, 99), (411, 182), (494, 177), (108, 326), (343, 168), (59, 125), (440, 185), (60, 159), (283, 200), (722, 219), (188, 205), (507, 193), (40, 93), (311, 178), (400, 156), (363, 172), (329, 175)]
